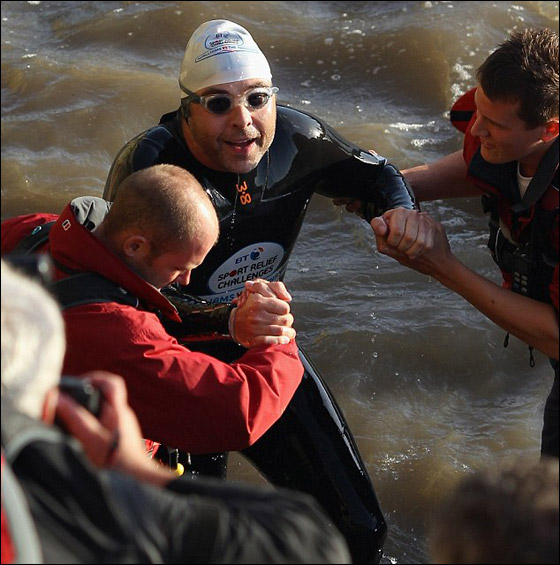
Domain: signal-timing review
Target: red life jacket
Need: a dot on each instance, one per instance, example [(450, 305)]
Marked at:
[(462, 110), (529, 258)]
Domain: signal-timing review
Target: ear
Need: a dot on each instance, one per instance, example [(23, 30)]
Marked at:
[(550, 130), (135, 245)]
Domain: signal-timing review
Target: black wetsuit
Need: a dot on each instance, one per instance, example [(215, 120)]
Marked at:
[(310, 448)]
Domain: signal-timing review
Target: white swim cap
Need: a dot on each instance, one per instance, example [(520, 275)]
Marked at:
[(219, 52)]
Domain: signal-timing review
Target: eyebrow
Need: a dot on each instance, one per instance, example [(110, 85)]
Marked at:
[(499, 124)]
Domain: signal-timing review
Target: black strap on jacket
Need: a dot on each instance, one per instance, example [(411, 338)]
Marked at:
[(90, 288), (532, 261), (80, 288), (38, 237), (533, 243)]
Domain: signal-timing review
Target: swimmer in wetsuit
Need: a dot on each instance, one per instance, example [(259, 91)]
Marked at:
[(261, 163)]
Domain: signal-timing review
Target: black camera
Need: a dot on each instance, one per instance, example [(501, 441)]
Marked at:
[(37, 266), (83, 392)]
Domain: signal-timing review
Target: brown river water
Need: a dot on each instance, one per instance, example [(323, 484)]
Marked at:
[(423, 379)]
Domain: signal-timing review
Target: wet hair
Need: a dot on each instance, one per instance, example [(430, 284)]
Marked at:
[(166, 203), (525, 68), (507, 513)]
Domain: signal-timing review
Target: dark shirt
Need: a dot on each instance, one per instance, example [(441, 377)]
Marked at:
[(86, 515)]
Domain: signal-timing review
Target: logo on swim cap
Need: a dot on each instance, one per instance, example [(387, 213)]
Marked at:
[(222, 39), (219, 43)]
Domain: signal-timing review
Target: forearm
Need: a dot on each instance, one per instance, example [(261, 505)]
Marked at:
[(419, 242), (262, 319), (445, 178), (391, 190), (197, 316), (531, 321)]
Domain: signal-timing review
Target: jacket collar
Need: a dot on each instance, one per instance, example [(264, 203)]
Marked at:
[(75, 249)]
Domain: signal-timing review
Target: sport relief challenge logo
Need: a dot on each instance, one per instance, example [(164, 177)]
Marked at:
[(258, 261), (225, 42)]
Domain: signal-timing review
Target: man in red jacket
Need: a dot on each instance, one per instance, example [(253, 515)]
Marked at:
[(92, 496), (160, 228)]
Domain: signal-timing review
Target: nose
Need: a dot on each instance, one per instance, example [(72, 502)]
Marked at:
[(184, 278), (240, 116), (478, 128)]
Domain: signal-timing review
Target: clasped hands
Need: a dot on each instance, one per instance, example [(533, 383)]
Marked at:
[(414, 239), (262, 315)]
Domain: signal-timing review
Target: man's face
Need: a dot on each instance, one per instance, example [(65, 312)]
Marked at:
[(504, 137), (235, 141), (163, 269)]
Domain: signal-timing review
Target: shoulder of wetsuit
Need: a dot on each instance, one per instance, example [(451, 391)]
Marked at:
[(314, 128), (311, 127), (389, 189), (127, 160), (158, 144), (299, 125), (163, 143)]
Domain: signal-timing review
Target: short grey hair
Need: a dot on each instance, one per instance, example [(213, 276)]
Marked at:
[(33, 342)]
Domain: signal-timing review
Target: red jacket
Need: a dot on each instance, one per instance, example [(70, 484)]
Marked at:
[(183, 399)]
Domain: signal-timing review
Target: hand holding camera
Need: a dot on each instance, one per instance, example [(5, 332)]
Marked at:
[(113, 437), (83, 392)]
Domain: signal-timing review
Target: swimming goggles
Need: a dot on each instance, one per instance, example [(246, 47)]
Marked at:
[(221, 103)]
